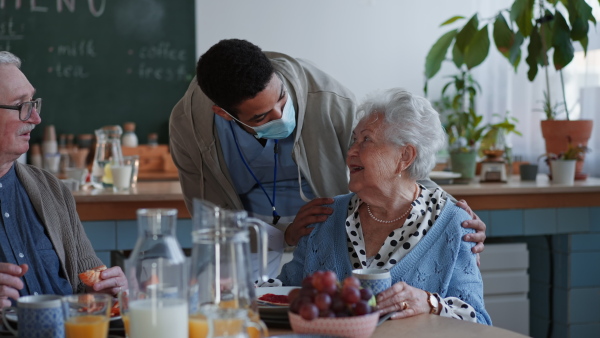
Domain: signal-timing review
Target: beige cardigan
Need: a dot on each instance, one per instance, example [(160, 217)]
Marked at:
[(55, 206)]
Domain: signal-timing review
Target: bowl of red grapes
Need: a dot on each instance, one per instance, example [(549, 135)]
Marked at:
[(325, 305)]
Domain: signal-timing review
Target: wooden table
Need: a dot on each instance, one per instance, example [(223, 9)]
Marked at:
[(427, 326)]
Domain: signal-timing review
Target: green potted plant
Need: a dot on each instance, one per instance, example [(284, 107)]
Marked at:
[(463, 125), (546, 27), (495, 138)]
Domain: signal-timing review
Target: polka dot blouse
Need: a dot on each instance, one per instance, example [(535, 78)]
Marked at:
[(426, 209)]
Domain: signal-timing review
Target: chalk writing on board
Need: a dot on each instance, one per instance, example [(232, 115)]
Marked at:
[(8, 33), (84, 47), (96, 7), (150, 67)]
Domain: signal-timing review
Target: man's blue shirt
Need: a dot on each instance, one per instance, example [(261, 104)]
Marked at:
[(24, 240)]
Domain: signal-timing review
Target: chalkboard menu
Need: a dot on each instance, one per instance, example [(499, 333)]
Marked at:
[(101, 62)]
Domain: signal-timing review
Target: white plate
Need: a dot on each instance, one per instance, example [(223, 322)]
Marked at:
[(272, 310), (276, 290), (443, 175)]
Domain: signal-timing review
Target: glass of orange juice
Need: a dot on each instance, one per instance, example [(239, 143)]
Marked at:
[(87, 315), (215, 322)]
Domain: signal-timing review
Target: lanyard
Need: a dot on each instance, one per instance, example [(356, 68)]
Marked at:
[(276, 216)]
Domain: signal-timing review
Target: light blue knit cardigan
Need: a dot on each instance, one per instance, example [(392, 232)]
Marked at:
[(441, 262)]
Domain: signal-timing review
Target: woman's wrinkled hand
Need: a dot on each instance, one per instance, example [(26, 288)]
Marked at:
[(113, 281), (477, 224), (10, 282), (408, 301), (310, 213)]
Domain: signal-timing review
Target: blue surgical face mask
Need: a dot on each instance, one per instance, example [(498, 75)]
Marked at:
[(276, 129)]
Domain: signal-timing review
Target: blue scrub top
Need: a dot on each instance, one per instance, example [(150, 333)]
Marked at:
[(262, 162)]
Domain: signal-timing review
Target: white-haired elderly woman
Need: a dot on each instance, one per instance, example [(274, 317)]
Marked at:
[(391, 222)]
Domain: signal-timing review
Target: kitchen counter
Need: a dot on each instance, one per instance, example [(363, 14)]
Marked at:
[(517, 194), (95, 205)]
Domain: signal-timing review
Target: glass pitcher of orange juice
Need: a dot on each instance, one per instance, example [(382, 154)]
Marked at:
[(221, 284)]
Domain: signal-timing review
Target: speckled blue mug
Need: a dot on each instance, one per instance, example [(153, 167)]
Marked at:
[(38, 316), (375, 279)]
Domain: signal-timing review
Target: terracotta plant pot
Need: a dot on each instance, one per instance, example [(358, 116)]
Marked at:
[(555, 134)]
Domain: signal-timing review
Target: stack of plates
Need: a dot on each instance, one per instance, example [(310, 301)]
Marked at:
[(443, 177), (274, 315)]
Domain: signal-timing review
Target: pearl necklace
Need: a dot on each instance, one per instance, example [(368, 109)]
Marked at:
[(395, 219)]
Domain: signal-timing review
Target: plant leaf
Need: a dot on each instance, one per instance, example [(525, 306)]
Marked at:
[(533, 49), (521, 12), (579, 15), (584, 44), (451, 20), (457, 57), (515, 51), (503, 35), (437, 54), (478, 49), (563, 47), (466, 34)]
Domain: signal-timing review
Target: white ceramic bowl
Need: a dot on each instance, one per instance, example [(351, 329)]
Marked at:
[(351, 327)]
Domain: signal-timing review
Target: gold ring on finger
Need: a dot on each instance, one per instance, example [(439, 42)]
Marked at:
[(404, 306)]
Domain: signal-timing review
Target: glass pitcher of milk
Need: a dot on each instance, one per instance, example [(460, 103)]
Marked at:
[(221, 273), (158, 274)]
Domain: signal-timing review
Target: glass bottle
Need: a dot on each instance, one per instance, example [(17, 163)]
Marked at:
[(157, 275), (129, 138), (108, 148)]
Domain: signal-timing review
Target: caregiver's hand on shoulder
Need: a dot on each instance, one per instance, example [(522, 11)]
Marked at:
[(477, 224), (408, 301), (10, 282), (310, 213)]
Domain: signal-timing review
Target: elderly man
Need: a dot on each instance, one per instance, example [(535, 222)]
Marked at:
[(43, 246)]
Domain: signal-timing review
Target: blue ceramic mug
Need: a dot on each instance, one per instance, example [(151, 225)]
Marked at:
[(38, 316), (375, 279)]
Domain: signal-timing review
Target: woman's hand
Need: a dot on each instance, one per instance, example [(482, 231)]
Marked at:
[(310, 213), (10, 282), (113, 281), (408, 301), (476, 223)]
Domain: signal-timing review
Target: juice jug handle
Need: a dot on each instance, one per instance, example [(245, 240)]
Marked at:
[(263, 246)]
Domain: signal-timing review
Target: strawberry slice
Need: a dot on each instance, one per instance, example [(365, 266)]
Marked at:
[(92, 276), (271, 298)]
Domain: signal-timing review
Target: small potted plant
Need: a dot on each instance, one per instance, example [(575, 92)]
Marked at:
[(463, 125), (562, 165)]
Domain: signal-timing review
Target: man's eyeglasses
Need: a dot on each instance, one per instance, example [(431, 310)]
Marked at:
[(26, 108)]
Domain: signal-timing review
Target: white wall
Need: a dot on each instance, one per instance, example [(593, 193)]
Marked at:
[(365, 44)]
